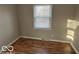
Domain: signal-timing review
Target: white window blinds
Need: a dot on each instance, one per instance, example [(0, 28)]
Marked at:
[(42, 16)]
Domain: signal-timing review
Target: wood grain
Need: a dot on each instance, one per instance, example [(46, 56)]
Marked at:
[(33, 46)]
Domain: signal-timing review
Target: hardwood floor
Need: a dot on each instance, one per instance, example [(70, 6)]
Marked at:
[(32, 46)]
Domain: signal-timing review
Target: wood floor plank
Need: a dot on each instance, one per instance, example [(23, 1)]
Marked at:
[(33, 46)]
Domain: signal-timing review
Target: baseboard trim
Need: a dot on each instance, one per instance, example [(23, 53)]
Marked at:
[(44, 40), (14, 41), (74, 48), (60, 41), (31, 37)]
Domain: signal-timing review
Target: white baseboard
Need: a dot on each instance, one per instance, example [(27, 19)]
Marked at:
[(23, 37), (45, 40), (14, 41), (74, 48), (31, 37), (59, 41)]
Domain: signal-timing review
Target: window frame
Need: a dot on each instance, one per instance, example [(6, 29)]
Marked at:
[(49, 17)]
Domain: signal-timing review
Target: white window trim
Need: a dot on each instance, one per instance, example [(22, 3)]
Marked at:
[(50, 19)]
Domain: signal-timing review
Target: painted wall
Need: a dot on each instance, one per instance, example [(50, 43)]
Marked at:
[(8, 24), (60, 15), (76, 31)]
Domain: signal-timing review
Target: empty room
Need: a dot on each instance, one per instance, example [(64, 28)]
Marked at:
[(39, 28)]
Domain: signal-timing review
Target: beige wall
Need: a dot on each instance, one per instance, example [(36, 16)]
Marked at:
[(25, 13), (76, 31), (60, 14), (8, 24)]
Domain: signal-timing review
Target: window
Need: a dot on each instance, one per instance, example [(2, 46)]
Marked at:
[(42, 16)]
